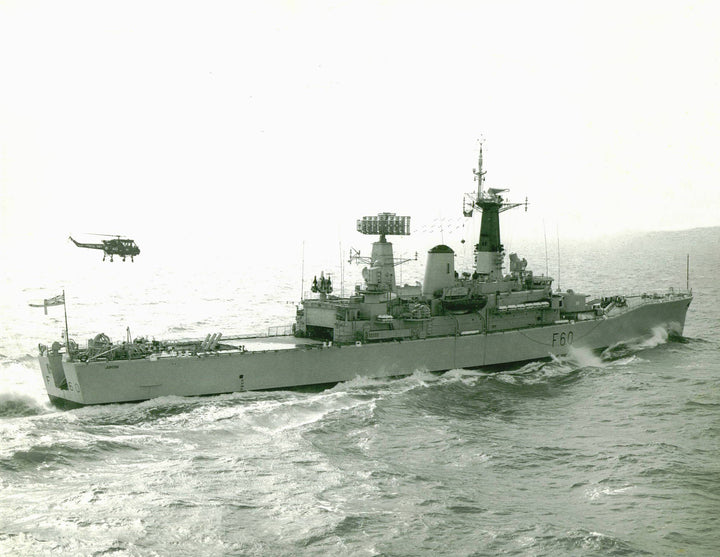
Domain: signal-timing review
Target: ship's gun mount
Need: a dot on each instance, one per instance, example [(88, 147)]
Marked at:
[(381, 273)]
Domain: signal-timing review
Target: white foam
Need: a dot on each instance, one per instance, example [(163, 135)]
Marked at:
[(20, 382), (466, 376), (531, 367), (659, 336), (625, 361), (575, 358), (597, 492), (584, 357), (461, 374), (360, 381)]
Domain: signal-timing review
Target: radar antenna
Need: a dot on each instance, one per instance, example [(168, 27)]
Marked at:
[(483, 198), (381, 274), (384, 224)]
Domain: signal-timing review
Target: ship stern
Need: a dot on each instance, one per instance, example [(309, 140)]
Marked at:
[(60, 379)]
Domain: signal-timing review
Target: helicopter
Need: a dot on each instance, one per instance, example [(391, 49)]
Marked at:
[(117, 246)]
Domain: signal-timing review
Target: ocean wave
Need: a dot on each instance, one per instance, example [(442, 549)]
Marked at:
[(149, 412), (660, 335), (597, 492), (14, 405), (34, 457), (58, 453), (303, 412), (590, 541), (556, 370), (542, 377), (360, 384), (18, 358), (703, 405), (254, 413), (467, 393)]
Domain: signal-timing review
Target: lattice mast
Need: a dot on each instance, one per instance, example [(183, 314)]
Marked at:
[(489, 251)]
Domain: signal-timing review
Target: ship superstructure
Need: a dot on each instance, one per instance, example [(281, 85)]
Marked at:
[(455, 319), (478, 300), (489, 251)]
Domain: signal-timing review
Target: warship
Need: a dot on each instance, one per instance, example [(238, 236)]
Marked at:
[(483, 317)]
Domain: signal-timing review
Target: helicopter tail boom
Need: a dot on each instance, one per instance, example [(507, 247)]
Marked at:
[(82, 245)]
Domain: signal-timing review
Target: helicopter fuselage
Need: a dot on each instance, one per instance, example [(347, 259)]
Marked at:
[(123, 247)]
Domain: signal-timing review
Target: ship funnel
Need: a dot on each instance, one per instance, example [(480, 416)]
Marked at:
[(440, 269)]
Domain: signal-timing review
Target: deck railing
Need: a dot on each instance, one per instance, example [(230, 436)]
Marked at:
[(280, 330), (655, 293)]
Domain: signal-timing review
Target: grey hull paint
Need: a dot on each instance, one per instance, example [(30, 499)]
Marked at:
[(135, 380)]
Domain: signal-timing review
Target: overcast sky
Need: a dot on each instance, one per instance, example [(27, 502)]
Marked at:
[(236, 121)]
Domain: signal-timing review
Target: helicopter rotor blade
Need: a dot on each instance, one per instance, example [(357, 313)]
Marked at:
[(108, 235)]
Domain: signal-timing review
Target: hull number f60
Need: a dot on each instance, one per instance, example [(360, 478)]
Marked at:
[(561, 339)]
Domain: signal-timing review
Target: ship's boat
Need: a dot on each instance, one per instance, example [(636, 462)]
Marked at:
[(473, 319), (464, 304)]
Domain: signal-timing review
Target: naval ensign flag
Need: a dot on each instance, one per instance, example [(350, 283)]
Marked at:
[(57, 301), (54, 301)]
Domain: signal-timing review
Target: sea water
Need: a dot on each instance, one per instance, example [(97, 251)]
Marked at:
[(591, 454)]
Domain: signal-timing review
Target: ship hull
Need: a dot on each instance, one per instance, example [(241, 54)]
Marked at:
[(216, 373)]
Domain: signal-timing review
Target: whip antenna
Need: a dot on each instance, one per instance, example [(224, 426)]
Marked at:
[(557, 231), (547, 269)]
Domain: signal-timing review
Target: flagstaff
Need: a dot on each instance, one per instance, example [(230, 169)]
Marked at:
[(67, 332)]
